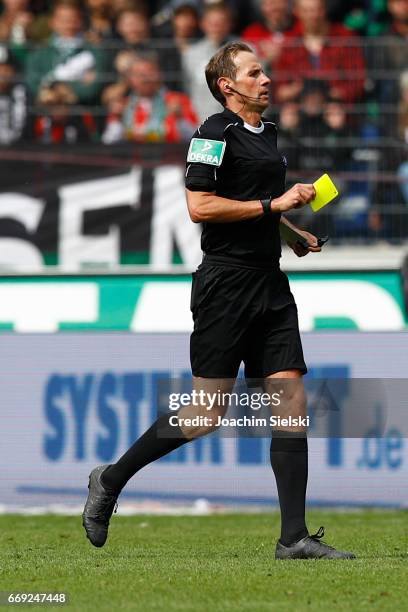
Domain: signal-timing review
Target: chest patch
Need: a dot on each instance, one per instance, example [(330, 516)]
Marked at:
[(206, 151)]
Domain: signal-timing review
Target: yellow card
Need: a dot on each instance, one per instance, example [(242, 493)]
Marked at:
[(326, 191)]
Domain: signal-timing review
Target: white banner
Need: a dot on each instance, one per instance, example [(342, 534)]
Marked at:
[(72, 401)]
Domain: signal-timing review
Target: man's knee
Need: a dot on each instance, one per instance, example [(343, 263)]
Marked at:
[(196, 423), (203, 416), (289, 385), (292, 407)]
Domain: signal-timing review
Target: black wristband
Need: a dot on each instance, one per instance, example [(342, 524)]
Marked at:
[(266, 205)]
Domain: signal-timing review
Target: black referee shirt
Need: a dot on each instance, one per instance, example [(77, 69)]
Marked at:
[(229, 159)]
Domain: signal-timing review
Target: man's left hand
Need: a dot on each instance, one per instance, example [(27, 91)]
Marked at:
[(302, 251)]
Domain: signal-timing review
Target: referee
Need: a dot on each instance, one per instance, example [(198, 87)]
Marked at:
[(241, 302)]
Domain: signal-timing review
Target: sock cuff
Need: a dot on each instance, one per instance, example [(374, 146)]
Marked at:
[(284, 433), (167, 431), (289, 443)]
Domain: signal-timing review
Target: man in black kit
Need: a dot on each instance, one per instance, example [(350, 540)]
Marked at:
[(242, 306)]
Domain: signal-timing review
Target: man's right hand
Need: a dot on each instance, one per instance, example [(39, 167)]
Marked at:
[(296, 197)]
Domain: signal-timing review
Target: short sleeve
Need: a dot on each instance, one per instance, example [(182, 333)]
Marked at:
[(205, 156)]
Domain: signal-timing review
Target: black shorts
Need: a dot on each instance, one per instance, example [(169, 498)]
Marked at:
[(243, 314)]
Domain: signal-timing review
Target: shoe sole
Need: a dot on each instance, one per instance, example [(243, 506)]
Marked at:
[(315, 558)]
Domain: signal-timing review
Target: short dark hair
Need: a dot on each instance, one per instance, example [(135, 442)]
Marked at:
[(222, 64), (184, 9), (71, 4), (216, 6), (138, 10), (149, 56)]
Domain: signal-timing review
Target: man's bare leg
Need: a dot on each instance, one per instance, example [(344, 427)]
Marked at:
[(163, 437), (106, 482)]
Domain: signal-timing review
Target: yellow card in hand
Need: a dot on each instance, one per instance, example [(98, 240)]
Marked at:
[(326, 191)]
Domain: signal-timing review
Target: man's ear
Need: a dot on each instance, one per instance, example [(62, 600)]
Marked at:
[(224, 85)]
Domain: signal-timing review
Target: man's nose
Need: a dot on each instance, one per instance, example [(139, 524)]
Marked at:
[(265, 80)]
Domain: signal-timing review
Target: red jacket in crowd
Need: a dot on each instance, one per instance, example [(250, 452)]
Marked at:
[(340, 62)]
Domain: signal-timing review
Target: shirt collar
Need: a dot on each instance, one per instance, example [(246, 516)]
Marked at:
[(229, 114)]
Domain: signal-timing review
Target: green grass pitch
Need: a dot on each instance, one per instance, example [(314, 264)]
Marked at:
[(206, 564)]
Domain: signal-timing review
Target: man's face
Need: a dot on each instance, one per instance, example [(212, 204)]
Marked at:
[(66, 22), (216, 24), (144, 78), (313, 103), (275, 11), (16, 5), (399, 10), (133, 27), (312, 13), (251, 80), (185, 24)]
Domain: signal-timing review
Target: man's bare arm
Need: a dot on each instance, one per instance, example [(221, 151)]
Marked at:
[(294, 244), (285, 221), (207, 207)]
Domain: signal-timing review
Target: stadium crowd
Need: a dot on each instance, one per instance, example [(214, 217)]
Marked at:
[(130, 70)]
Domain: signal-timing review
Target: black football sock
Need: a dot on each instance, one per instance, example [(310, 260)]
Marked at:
[(289, 462), (161, 438)]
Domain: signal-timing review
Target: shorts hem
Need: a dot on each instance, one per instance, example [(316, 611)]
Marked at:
[(301, 367), (223, 376)]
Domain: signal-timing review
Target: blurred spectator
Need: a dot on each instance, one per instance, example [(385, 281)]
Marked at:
[(123, 61), (288, 133), (316, 48), (267, 36), (403, 108), (100, 21), (15, 21), (312, 136), (149, 112), (39, 29), (134, 29), (114, 94), (402, 131), (319, 128), (390, 53), (363, 16), (216, 23), (67, 57), (184, 26), (245, 11), (388, 192), (57, 122), (13, 102), (128, 5)]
